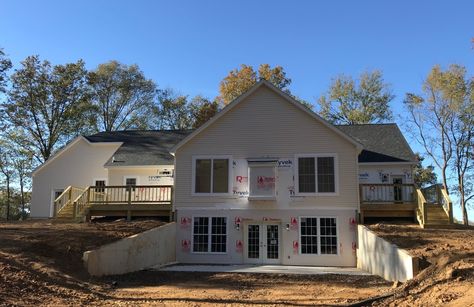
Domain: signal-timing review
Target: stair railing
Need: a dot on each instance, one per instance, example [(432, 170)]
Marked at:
[(447, 204), (81, 203), (62, 200), (422, 210)]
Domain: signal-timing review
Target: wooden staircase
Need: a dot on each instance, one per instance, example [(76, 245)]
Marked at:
[(66, 205), (436, 216), (435, 209)]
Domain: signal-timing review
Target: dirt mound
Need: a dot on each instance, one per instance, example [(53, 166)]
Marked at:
[(447, 258), (40, 261)]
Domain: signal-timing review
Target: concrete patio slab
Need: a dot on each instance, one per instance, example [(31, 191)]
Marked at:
[(271, 269)]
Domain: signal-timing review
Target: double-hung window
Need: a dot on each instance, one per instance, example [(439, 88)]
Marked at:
[(316, 174), (211, 175), (210, 234), (318, 235)]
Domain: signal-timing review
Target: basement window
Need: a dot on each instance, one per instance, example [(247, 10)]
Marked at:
[(209, 234), (318, 235)]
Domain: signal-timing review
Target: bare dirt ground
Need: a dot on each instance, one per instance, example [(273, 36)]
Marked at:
[(447, 263), (40, 265)]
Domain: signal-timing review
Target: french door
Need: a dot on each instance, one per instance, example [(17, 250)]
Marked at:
[(262, 243)]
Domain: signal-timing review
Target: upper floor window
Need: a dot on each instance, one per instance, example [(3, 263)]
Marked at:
[(262, 178), (316, 174), (211, 175)]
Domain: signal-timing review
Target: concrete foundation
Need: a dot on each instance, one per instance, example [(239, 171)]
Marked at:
[(377, 256), (151, 248)]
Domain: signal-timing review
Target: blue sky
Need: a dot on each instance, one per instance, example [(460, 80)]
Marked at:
[(191, 45)]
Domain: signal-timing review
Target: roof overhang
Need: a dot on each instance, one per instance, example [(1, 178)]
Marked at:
[(137, 166), (388, 163)]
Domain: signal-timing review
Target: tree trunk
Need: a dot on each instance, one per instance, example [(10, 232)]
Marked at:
[(445, 179), (22, 194), (8, 197)]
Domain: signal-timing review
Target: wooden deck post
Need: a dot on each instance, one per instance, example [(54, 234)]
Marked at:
[(425, 214), (451, 219), (74, 210)]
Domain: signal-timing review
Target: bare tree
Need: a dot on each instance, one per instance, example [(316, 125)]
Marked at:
[(441, 120), (7, 171)]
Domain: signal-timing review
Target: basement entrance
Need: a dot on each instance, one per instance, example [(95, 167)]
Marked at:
[(262, 243)]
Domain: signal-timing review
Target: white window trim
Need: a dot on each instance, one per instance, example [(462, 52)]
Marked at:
[(209, 236), (53, 192), (318, 235), (212, 157), (316, 156)]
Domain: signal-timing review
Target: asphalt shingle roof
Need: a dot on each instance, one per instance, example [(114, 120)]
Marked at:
[(141, 147), (381, 142)]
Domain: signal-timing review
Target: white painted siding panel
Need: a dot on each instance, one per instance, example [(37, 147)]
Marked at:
[(265, 125), (78, 166), (117, 175)]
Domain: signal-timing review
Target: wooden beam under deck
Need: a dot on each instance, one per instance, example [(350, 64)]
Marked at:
[(164, 210), (387, 210)]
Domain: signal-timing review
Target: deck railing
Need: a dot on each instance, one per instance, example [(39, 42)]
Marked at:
[(374, 193), (447, 204), (143, 194), (81, 199)]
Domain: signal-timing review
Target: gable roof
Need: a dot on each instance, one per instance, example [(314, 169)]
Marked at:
[(140, 148), (382, 143), (279, 92)]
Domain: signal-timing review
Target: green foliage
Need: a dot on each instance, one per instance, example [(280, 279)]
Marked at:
[(46, 104), (238, 81), (14, 204), (202, 109), (5, 65), (441, 119), (424, 176), (122, 96), (173, 113), (351, 102)]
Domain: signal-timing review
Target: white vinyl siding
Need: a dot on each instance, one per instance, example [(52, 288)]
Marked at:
[(266, 125)]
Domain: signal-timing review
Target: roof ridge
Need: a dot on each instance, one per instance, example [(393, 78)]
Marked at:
[(369, 124), (138, 131)]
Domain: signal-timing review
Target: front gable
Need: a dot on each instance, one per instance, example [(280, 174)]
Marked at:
[(264, 122)]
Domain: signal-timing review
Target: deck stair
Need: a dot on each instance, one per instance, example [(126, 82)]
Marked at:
[(66, 204), (435, 209)]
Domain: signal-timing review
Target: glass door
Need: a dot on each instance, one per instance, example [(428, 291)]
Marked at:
[(262, 242), (397, 189)]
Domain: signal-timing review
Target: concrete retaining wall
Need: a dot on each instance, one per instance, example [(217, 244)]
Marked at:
[(156, 246), (379, 257)]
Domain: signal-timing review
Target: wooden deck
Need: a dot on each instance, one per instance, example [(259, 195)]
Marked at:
[(127, 201), (406, 201)]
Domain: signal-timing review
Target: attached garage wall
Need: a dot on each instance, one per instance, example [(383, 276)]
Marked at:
[(76, 165)]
